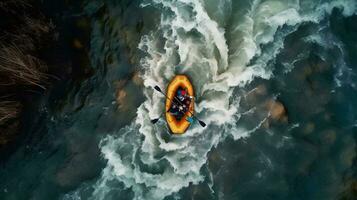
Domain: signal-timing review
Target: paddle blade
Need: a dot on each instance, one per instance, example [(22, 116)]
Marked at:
[(189, 119), (202, 123), (154, 120), (157, 88)]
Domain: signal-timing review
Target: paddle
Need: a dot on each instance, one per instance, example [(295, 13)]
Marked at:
[(155, 120), (157, 88)]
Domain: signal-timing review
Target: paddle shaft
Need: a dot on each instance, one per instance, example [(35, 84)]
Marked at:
[(182, 105), (178, 105), (157, 88), (155, 120)]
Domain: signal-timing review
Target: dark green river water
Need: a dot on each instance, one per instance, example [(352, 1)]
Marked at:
[(275, 82)]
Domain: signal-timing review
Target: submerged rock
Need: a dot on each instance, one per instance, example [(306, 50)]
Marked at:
[(309, 128), (77, 44), (137, 79), (120, 97), (277, 111)]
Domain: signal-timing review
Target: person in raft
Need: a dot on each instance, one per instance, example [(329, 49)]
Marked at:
[(181, 104)]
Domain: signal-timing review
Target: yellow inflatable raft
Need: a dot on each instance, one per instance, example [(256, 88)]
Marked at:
[(178, 126)]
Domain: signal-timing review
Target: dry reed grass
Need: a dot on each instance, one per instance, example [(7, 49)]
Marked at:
[(20, 69), (9, 110), (7, 5)]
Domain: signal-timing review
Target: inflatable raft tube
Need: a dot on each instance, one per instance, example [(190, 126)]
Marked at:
[(178, 126)]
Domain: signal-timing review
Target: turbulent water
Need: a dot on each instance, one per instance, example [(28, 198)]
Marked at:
[(240, 55)]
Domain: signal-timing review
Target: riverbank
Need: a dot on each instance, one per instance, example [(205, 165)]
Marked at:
[(43, 56)]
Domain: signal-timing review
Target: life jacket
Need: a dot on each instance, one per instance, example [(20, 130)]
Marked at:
[(181, 95)]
